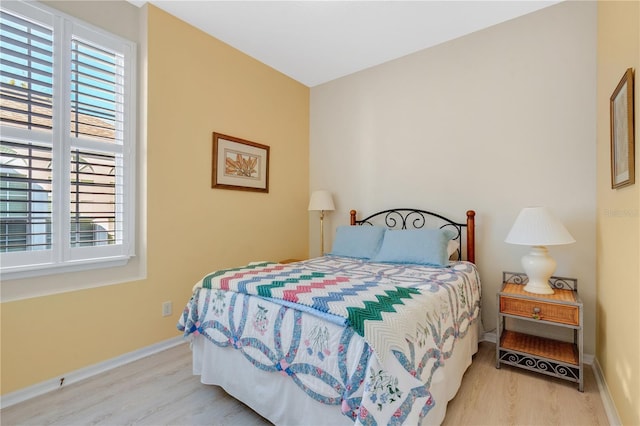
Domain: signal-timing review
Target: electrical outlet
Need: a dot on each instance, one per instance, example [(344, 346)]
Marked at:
[(167, 308)]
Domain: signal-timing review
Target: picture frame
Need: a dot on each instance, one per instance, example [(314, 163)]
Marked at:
[(622, 133), (239, 164)]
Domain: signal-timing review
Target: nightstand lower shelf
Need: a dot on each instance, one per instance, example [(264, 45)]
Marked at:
[(539, 346), (547, 356)]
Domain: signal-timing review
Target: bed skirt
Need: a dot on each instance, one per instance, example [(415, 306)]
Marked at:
[(279, 400)]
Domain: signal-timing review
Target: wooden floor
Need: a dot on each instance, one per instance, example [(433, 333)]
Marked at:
[(513, 396), (160, 390)]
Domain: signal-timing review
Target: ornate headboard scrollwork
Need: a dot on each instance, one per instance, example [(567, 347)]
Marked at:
[(415, 219)]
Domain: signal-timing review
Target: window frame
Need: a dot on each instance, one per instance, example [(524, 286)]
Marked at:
[(61, 258)]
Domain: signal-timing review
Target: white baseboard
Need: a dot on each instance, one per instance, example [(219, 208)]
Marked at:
[(489, 336), (607, 401), (84, 373)]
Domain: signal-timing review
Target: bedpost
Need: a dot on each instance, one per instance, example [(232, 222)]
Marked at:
[(352, 213), (471, 236)]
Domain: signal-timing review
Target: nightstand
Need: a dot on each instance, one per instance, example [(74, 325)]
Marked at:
[(561, 309), (289, 261)]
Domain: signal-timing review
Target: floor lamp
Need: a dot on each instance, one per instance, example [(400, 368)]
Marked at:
[(321, 201)]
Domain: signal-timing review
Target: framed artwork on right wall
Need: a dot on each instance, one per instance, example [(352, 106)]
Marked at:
[(622, 133)]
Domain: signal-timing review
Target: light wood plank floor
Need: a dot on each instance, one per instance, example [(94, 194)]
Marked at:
[(160, 390), (513, 396)]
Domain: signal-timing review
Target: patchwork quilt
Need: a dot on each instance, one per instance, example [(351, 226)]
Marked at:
[(367, 337)]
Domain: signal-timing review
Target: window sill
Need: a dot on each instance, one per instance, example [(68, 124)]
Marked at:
[(20, 284)]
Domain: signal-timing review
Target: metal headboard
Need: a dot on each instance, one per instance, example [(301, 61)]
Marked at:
[(404, 218)]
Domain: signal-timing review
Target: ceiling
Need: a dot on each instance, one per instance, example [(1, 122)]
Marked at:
[(318, 41)]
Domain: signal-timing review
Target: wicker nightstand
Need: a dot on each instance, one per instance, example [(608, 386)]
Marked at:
[(563, 309), (289, 261)]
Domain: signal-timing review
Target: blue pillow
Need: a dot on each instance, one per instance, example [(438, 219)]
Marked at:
[(357, 241), (418, 246)]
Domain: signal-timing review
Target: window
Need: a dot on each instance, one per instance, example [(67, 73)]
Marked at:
[(67, 143)]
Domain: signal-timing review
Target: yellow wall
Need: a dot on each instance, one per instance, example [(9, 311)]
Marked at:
[(618, 219), (196, 85)]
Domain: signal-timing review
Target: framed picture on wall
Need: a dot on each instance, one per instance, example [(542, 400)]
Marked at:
[(239, 164), (622, 133)]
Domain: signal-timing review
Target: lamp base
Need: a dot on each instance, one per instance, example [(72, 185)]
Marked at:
[(538, 288), (539, 267)]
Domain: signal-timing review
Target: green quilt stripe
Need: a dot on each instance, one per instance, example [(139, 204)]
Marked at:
[(372, 311), (206, 281), (264, 290)]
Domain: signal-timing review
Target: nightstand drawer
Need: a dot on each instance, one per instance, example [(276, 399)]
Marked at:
[(536, 309)]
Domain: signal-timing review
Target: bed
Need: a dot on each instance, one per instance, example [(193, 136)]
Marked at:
[(379, 331)]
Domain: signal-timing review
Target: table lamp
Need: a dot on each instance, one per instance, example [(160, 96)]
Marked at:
[(538, 228)]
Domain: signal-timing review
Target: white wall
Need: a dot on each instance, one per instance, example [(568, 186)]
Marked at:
[(495, 121)]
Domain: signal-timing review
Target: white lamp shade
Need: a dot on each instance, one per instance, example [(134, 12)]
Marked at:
[(321, 200), (536, 226)]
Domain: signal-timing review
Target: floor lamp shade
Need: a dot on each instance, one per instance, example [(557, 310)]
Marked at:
[(322, 201), (538, 228)]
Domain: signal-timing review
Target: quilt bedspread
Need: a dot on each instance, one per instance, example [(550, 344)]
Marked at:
[(331, 362)]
